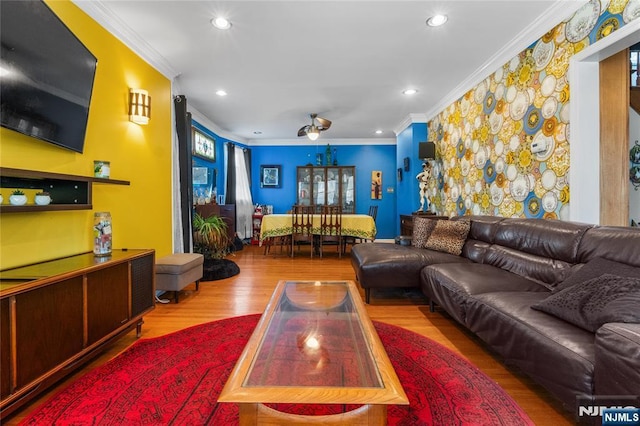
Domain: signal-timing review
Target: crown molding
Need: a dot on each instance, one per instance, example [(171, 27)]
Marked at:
[(321, 142), (210, 125), (553, 16), (409, 120), (97, 10)]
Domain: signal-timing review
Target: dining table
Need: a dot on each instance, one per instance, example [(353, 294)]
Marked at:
[(353, 225)]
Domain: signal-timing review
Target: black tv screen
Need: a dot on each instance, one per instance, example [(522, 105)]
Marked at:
[(46, 75)]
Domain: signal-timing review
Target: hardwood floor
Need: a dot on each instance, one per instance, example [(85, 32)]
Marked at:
[(249, 292)]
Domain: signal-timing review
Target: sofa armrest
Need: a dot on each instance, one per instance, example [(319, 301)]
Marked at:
[(617, 360)]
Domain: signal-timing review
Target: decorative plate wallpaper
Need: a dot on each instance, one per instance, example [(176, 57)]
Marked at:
[(503, 147)]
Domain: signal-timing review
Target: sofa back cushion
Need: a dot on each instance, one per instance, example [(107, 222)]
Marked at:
[(483, 228), (617, 243), (546, 238), (546, 271), (475, 250), (594, 268)]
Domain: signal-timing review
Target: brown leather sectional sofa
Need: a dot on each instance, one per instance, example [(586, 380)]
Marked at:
[(506, 266)]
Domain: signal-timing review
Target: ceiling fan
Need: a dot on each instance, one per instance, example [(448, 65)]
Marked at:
[(312, 130)]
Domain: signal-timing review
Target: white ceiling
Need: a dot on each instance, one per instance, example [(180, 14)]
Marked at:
[(348, 61)]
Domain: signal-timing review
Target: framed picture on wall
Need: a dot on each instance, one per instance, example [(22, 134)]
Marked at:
[(203, 146), (376, 185), (270, 176), (200, 175)]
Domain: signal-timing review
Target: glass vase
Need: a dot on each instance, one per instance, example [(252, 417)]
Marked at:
[(102, 234)]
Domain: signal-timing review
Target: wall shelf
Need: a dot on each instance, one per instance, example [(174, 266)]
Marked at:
[(68, 192)]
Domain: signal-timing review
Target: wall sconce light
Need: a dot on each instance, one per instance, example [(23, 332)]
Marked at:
[(139, 106)]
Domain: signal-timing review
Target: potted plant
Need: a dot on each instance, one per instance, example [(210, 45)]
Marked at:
[(17, 198), (42, 198), (210, 236)]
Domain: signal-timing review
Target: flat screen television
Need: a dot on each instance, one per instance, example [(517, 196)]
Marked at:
[(46, 75)]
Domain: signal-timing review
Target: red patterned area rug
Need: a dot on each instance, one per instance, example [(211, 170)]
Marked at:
[(176, 379)]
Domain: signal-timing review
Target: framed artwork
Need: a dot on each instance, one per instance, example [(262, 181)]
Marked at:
[(400, 175), (199, 175), (376, 185), (203, 145), (270, 176), (406, 164)]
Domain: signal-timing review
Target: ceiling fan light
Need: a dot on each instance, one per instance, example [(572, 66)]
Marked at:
[(313, 133)]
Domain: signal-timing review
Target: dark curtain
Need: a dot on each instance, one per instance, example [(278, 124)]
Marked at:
[(230, 190), (183, 130)]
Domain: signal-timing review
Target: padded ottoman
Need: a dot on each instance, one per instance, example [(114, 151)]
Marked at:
[(175, 271)]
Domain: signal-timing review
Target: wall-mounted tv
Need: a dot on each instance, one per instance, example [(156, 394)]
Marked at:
[(46, 75)]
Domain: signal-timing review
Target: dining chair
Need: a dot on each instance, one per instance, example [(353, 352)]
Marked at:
[(301, 227), (373, 212), (280, 241), (331, 227)]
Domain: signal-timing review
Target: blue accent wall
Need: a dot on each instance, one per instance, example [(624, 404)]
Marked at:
[(407, 147), (398, 197), (366, 158)]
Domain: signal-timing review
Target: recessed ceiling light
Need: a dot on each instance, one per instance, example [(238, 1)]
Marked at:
[(409, 91), (378, 132), (221, 23), (221, 93), (437, 20)]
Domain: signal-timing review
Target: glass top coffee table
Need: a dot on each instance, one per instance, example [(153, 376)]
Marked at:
[(314, 344)]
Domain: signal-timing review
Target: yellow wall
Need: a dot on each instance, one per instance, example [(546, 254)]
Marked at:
[(141, 212)]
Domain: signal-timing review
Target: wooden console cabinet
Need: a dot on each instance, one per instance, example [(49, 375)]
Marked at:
[(406, 221), (56, 315), (225, 211)]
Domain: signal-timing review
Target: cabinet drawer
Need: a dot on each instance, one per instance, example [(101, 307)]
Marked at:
[(107, 301), (48, 328)]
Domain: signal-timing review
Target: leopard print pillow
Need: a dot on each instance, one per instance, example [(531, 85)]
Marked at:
[(449, 236), (422, 228)]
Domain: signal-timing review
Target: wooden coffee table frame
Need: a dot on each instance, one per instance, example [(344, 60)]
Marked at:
[(374, 400)]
